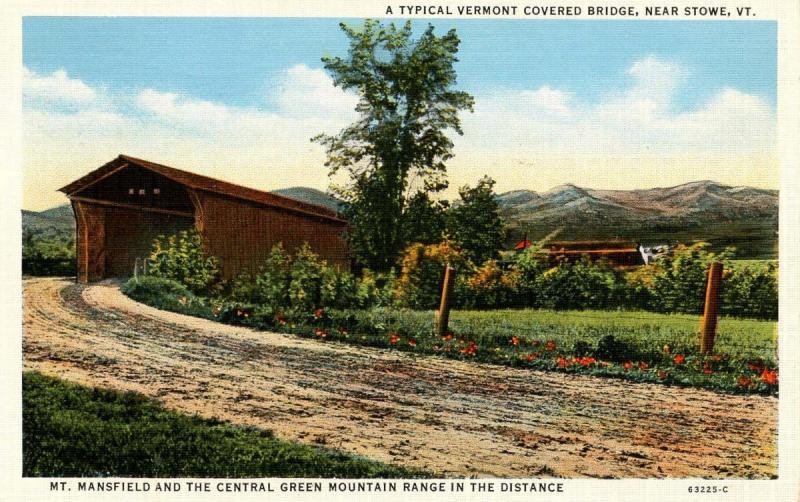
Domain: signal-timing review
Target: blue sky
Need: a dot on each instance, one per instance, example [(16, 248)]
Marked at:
[(605, 104), (228, 59)]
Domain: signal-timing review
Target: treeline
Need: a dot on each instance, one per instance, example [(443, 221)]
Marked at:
[(44, 253)]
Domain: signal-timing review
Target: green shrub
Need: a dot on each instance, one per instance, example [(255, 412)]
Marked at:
[(305, 282), (679, 283), (368, 292), (166, 294), (489, 287), (181, 257), (422, 272), (270, 286), (529, 266), (751, 292), (581, 285)]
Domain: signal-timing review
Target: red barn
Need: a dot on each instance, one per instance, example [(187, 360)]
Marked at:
[(123, 205), (616, 252)]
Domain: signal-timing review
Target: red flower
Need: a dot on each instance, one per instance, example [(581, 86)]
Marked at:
[(586, 361), (531, 357), (412, 342), (470, 349), (679, 359), (744, 381), (707, 369), (769, 377), (318, 313), (662, 375), (394, 338), (514, 341), (627, 365), (643, 366), (562, 363), (448, 336), (550, 346), (320, 333)]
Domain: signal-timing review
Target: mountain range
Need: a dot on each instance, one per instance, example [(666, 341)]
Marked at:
[(744, 217)]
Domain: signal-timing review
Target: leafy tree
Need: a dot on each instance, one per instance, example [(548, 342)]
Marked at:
[(407, 104), (424, 220), (475, 224)]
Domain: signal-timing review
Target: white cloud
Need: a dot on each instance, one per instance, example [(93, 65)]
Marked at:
[(304, 92), (636, 120), (246, 145), (56, 87), (530, 138)]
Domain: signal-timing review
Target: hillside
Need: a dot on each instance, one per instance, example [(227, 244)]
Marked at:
[(312, 196), (723, 215), (54, 223)]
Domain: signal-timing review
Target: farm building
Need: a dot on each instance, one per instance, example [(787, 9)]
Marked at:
[(616, 252), (123, 205), (620, 253)]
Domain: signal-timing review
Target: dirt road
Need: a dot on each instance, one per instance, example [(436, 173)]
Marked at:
[(450, 417)]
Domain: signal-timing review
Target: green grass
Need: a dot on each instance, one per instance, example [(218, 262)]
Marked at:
[(75, 431), (738, 338)]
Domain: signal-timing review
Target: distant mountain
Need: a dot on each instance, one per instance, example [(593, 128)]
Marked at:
[(312, 196), (744, 217), (55, 223), (62, 213)]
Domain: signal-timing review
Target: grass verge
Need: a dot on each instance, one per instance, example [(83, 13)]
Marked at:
[(75, 431)]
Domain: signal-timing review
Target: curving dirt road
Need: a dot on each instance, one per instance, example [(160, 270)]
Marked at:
[(453, 418)]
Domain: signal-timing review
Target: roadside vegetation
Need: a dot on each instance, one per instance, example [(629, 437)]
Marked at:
[(75, 431), (568, 317)]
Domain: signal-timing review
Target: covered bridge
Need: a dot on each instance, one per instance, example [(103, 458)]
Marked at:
[(125, 204)]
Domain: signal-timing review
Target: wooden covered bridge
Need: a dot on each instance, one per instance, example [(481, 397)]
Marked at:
[(122, 206)]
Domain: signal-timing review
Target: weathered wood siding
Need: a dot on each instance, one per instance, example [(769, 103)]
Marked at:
[(90, 240), (241, 234), (122, 206)]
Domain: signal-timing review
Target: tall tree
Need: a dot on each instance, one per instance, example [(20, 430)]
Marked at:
[(424, 220), (475, 223), (407, 105)]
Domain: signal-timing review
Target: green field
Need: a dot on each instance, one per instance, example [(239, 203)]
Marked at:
[(74, 431), (649, 332), (634, 345)]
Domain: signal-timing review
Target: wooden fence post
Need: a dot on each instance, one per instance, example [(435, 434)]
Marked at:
[(443, 315), (708, 324)]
